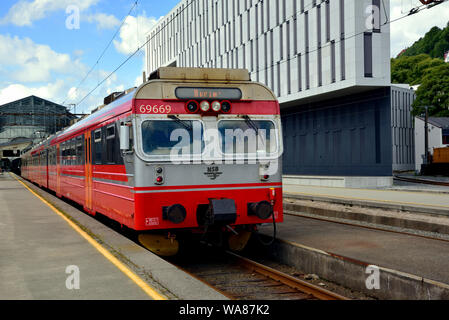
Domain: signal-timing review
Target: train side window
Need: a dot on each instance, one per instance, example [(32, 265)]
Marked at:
[(63, 153), (97, 147), (73, 151), (110, 144), (80, 150)]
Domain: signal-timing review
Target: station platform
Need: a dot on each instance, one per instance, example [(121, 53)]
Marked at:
[(337, 233), (411, 267), (415, 201), (42, 250)]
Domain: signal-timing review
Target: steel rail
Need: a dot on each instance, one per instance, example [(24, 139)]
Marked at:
[(298, 284), (422, 181), (378, 228)]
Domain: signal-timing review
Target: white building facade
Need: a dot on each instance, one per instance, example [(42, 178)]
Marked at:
[(298, 48), (328, 61)]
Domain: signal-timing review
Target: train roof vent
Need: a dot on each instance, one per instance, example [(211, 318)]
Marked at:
[(112, 97), (207, 74)]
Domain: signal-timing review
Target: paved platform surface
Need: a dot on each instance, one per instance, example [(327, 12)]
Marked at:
[(430, 200), (38, 243), (36, 247), (406, 253)]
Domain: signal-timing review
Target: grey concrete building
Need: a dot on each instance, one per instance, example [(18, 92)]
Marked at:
[(27, 121), (328, 61)]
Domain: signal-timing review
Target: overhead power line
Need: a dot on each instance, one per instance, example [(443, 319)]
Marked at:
[(134, 53), (104, 50), (411, 12)]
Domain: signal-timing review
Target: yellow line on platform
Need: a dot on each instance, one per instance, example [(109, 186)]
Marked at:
[(142, 284)]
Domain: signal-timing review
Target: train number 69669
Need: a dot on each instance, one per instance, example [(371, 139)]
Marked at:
[(157, 109)]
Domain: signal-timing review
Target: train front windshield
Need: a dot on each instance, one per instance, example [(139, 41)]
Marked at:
[(247, 138), (160, 138)]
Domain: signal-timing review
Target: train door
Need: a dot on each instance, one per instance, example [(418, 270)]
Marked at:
[(88, 171), (58, 170), (47, 155)]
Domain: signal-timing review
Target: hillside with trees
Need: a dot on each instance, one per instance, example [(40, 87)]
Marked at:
[(423, 64)]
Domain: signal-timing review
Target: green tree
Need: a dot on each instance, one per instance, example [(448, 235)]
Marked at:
[(435, 43), (434, 92), (412, 69)]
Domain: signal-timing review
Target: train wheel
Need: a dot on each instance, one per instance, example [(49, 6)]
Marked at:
[(238, 242), (159, 244)]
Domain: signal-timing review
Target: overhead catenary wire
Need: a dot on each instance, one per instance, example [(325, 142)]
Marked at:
[(305, 8), (411, 12), (387, 22), (104, 50), (134, 53)]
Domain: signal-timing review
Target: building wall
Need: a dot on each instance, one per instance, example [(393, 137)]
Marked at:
[(299, 48), (330, 72), (349, 136), (402, 125)]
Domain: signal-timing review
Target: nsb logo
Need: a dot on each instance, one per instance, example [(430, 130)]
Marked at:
[(213, 172)]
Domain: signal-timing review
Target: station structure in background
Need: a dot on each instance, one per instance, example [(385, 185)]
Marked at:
[(26, 122), (329, 64)]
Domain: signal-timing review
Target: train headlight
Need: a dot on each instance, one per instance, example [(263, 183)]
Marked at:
[(216, 106), (205, 106), (175, 213), (192, 106), (262, 209), (226, 106)]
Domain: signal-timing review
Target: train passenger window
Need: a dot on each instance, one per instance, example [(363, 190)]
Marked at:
[(110, 144), (160, 137), (69, 152), (80, 150), (62, 149), (97, 147), (247, 137)]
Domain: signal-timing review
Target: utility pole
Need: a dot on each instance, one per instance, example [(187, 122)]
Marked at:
[(426, 137), (74, 108)]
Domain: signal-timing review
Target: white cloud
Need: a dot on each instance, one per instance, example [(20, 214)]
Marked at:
[(25, 61), (24, 13), (410, 29), (133, 33), (138, 81), (78, 53), (103, 21), (18, 91), (28, 69)]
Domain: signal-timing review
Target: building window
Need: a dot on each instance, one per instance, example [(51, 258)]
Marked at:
[(368, 55), (446, 136)]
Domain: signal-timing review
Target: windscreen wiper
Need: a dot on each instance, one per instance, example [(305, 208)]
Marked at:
[(185, 124), (251, 124)]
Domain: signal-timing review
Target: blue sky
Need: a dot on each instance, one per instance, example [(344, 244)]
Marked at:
[(39, 55), (42, 56)]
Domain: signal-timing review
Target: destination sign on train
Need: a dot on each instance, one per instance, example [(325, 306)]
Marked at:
[(208, 93)]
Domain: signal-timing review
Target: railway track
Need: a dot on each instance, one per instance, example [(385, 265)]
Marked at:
[(240, 278), (377, 228), (422, 181)]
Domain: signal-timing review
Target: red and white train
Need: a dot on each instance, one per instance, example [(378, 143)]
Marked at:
[(169, 158)]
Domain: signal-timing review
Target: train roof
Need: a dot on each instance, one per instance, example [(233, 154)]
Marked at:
[(119, 106), (162, 84)]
